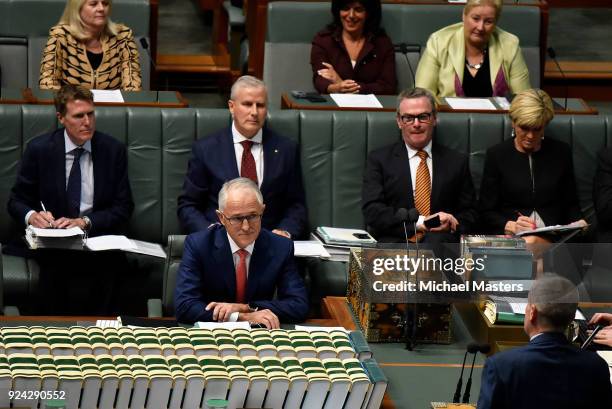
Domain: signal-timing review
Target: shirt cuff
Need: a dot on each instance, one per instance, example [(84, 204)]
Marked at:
[(420, 221), (233, 317), (27, 217)]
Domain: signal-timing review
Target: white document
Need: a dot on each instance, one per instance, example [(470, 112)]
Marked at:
[(73, 231), (223, 325), (147, 248), (102, 243), (520, 307), (110, 242), (324, 329), (470, 103), (550, 229), (310, 248), (108, 323), (502, 102), (457, 1), (107, 95), (356, 100)]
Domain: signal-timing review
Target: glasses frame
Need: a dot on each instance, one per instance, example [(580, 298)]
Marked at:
[(239, 220), (408, 119)]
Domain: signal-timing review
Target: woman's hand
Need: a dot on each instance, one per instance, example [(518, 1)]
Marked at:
[(521, 224), (329, 73), (344, 87)]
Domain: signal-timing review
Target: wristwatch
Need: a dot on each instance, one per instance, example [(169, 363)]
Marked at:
[(87, 221)]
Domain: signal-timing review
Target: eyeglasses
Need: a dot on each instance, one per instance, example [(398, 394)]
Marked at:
[(424, 117), (239, 220)]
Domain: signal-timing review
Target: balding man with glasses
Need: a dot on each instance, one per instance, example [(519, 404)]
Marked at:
[(230, 271), (417, 173)]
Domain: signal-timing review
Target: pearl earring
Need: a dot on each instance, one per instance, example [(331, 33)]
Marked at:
[(512, 134)]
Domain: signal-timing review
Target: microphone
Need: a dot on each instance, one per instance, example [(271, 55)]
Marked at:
[(412, 216), (553, 56), (145, 46), (472, 348), (405, 49), (482, 348)]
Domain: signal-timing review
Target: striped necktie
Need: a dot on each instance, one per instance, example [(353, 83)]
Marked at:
[(422, 191)]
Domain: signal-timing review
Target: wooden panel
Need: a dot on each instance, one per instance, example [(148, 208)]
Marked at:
[(193, 63), (579, 70)]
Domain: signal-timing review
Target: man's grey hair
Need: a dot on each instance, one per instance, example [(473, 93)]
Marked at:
[(246, 81), (556, 299), (237, 184), (413, 93)]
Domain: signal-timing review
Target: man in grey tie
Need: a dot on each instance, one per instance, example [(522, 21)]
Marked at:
[(73, 177)]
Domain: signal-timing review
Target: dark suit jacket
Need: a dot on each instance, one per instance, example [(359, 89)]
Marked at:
[(507, 189), (387, 187), (213, 163), (374, 70), (602, 195), (42, 177), (549, 372), (207, 274)]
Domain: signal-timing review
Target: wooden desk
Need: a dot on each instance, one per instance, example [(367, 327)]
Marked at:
[(155, 99), (575, 106)]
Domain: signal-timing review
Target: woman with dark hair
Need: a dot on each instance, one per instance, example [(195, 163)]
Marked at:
[(353, 54)]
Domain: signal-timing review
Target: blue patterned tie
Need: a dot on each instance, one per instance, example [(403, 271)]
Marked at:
[(73, 190)]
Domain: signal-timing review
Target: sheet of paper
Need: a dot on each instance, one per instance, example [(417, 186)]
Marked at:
[(310, 248), (470, 103), (502, 102), (223, 325), (110, 242), (356, 100), (313, 328), (73, 231), (107, 95), (520, 307), (147, 248)]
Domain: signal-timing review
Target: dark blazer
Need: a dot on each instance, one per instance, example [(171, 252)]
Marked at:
[(374, 70), (506, 187), (207, 274), (213, 163), (602, 195), (548, 372), (387, 187), (42, 177)]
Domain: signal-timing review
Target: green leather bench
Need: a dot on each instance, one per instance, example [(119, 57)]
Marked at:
[(334, 147), (291, 26), (24, 29)]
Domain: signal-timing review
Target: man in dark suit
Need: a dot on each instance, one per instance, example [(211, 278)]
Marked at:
[(230, 272), (549, 372), (417, 173), (74, 177), (246, 149), (602, 196)]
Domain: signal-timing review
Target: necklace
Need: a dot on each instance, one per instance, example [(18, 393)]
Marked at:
[(479, 65)]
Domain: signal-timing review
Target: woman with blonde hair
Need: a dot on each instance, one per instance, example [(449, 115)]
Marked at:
[(474, 58), (528, 182), (87, 48)]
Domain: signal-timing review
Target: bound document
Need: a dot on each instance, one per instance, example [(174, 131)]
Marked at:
[(71, 239)]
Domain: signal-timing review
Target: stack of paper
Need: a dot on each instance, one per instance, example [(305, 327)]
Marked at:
[(71, 239), (345, 237)]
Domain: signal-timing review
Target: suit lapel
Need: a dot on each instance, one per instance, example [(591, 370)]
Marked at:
[(495, 57), (437, 174), (228, 154), (224, 262), (401, 168), (58, 164), (457, 55), (270, 150), (98, 160), (258, 264)]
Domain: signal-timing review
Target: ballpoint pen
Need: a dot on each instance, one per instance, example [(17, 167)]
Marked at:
[(45, 210)]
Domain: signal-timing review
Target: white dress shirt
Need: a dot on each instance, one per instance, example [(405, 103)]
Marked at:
[(256, 150), (414, 161), (236, 258)]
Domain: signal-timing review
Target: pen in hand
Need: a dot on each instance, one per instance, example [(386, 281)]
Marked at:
[(46, 214)]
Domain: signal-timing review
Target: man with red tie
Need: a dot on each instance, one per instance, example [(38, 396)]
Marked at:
[(229, 272), (247, 149)]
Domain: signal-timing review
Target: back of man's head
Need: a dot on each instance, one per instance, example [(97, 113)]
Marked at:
[(555, 299), (69, 93)]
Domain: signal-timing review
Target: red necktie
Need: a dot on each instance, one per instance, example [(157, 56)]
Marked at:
[(241, 276), (247, 167)]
